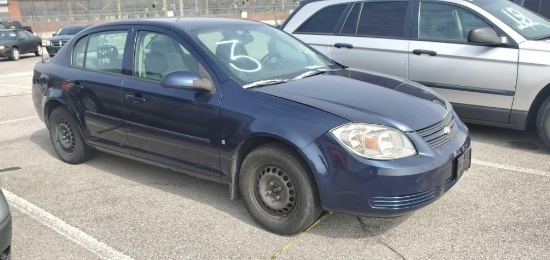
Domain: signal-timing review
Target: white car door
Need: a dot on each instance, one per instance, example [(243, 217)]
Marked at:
[(374, 37), (480, 81), (317, 29)]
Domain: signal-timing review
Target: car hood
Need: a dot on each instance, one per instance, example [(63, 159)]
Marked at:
[(361, 96), (61, 37)]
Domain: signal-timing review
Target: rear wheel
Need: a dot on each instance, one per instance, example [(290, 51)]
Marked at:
[(543, 123), (38, 51), (279, 190), (66, 138), (14, 53)]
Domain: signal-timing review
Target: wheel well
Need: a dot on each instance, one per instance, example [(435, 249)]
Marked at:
[(537, 103), (242, 151), (50, 106)]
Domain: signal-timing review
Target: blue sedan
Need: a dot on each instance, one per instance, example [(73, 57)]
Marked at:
[(290, 131)]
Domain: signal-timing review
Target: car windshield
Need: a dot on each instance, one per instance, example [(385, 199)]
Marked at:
[(528, 24), (70, 30), (260, 54), (8, 35)]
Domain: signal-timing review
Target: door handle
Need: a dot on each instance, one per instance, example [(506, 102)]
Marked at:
[(420, 52), (345, 45), (136, 98), (76, 86)]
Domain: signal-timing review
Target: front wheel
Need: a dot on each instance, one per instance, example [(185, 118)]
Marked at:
[(278, 189), (543, 123), (38, 51), (14, 53), (66, 138)]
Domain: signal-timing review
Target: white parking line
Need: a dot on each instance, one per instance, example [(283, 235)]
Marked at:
[(14, 86), (99, 248), (511, 168), (17, 120)]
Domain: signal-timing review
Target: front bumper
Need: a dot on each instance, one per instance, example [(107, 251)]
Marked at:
[(5, 53), (352, 184), (5, 232), (52, 50)]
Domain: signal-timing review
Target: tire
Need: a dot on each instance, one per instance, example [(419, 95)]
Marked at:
[(39, 50), (279, 190), (543, 123), (66, 137), (15, 54)]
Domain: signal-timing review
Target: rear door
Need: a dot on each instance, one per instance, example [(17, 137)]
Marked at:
[(374, 36), (317, 30), (24, 42), (95, 78), (178, 127), (479, 80)]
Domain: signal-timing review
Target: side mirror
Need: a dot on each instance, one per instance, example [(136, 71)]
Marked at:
[(53, 34), (486, 36), (186, 79)]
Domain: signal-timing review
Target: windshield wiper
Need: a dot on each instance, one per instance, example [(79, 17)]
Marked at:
[(543, 38), (264, 82), (310, 73)]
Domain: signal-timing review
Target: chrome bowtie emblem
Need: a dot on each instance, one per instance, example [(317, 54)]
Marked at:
[(447, 130)]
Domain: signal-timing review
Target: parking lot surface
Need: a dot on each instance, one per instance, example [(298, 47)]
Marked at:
[(115, 208)]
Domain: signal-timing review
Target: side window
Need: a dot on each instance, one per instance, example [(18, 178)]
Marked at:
[(350, 25), (78, 52), (545, 9), (324, 21), (532, 5), (446, 22), (105, 51), (22, 35), (383, 19), (157, 54)]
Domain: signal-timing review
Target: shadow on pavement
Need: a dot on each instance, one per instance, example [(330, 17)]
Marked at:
[(527, 140)]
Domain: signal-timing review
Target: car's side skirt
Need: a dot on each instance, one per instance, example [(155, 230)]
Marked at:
[(162, 165)]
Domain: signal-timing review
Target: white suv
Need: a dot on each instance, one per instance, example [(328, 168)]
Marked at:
[(490, 58)]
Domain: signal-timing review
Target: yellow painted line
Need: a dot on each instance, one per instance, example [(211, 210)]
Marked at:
[(299, 236)]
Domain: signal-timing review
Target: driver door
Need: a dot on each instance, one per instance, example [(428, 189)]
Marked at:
[(177, 127), (480, 81)]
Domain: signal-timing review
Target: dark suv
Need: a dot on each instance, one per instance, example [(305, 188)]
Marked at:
[(62, 37)]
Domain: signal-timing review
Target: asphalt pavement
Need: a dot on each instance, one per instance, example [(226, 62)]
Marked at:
[(115, 208)]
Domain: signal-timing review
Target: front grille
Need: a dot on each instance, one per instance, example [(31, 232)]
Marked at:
[(405, 201), (435, 134), (59, 43)]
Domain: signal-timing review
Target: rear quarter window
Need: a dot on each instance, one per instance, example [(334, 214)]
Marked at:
[(324, 21)]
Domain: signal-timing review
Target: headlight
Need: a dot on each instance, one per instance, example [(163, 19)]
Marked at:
[(374, 141), (47, 43), (2, 47)]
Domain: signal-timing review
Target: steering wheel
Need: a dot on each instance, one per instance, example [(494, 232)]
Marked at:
[(270, 58)]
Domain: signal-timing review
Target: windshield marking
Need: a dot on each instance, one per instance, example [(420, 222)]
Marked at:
[(235, 57), (523, 21)]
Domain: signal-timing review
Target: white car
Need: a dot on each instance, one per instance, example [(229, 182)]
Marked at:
[(490, 58)]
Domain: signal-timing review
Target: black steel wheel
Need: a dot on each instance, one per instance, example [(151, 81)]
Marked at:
[(543, 123), (66, 138), (279, 190)]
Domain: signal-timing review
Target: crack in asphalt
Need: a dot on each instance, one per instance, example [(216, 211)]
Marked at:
[(10, 169), (377, 239)]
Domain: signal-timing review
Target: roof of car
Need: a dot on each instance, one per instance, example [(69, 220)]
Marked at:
[(186, 23), (75, 25)]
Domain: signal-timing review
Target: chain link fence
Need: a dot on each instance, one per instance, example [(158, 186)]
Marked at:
[(47, 16)]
